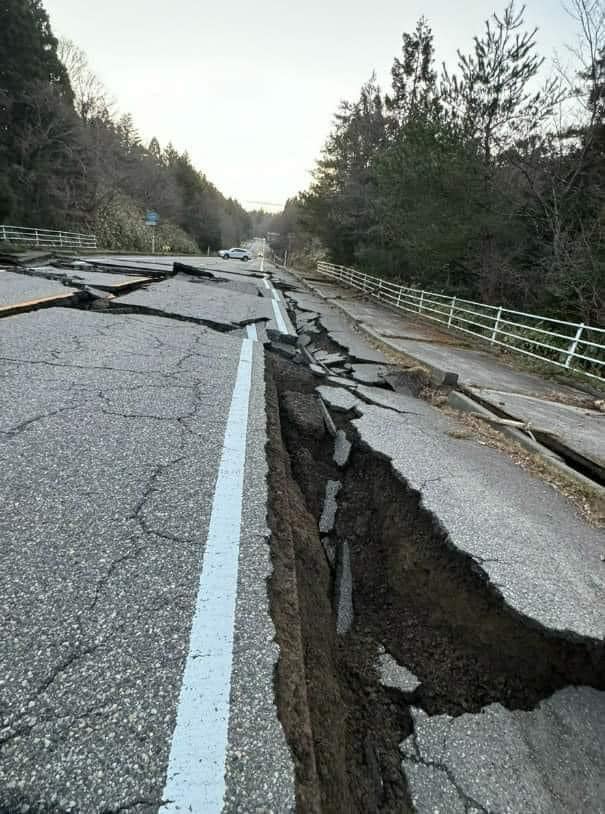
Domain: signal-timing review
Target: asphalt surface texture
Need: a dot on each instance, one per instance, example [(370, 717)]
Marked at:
[(113, 432), (217, 305), (139, 655), (545, 760), (541, 556), (82, 277), (19, 289), (530, 546), (529, 542), (480, 372)]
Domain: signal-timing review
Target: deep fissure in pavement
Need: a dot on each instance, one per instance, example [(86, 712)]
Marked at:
[(435, 611), (429, 605), (342, 726)]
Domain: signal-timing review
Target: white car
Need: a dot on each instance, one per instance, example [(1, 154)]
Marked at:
[(234, 254)]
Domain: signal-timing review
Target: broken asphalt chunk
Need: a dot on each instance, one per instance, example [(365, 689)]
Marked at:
[(284, 339), (407, 382), (342, 448), (510, 760), (194, 271), (305, 412), (329, 421), (370, 374), (395, 675), (317, 370), (338, 398), (286, 351), (330, 506), (329, 359), (343, 589)]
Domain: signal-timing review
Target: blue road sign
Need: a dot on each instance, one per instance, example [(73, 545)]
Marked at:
[(152, 219)]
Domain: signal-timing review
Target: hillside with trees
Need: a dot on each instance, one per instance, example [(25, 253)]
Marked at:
[(67, 161), (488, 182)]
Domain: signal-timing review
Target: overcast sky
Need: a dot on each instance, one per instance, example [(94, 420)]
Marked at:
[(249, 87)]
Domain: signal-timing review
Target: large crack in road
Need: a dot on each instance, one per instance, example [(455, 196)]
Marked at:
[(415, 667), (419, 633)]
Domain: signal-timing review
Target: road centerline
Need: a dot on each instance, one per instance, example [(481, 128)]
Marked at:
[(196, 767)]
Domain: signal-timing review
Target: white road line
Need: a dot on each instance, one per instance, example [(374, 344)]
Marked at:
[(196, 768), (276, 303), (252, 334), (281, 325)]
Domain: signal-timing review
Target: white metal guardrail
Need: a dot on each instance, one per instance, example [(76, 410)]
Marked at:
[(569, 345), (47, 238)]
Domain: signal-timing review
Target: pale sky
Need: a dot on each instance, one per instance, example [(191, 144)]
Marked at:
[(249, 87)]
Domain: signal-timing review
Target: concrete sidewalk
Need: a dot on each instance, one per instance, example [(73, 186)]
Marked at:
[(464, 568), (572, 423)]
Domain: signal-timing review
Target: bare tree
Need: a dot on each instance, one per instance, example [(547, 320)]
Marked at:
[(90, 96), (564, 171)]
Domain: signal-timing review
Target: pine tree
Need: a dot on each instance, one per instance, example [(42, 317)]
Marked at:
[(414, 80)]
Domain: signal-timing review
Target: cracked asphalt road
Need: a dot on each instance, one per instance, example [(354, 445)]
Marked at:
[(542, 558), (112, 429), (547, 760), (16, 289), (115, 432), (206, 302)]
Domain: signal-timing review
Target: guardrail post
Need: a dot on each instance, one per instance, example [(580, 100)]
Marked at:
[(496, 326), (37, 237), (3, 232), (451, 316), (399, 296), (421, 301), (574, 344)]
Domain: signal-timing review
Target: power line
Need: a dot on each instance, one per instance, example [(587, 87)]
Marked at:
[(264, 203)]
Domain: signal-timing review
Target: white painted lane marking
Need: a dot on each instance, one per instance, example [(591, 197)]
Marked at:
[(195, 780), (252, 334), (281, 325), (277, 302)]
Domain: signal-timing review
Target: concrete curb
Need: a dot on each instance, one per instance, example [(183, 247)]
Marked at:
[(439, 377), (459, 401)]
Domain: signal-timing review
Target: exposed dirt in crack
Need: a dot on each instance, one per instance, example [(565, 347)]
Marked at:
[(430, 606), (426, 603), (435, 612), (346, 750)]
